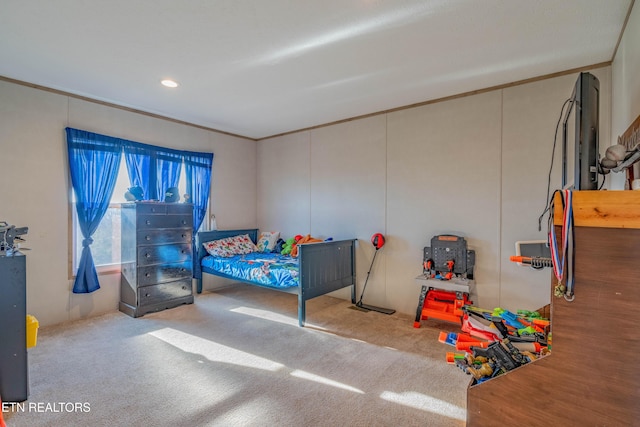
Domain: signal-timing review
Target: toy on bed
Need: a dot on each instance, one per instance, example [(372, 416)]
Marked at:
[(302, 241), (288, 245), (279, 246), (319, 268)]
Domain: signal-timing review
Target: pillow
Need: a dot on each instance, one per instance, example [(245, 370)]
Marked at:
[(267, 241), (230, 246)]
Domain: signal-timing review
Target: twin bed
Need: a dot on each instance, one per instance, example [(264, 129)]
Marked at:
[(318, 269)]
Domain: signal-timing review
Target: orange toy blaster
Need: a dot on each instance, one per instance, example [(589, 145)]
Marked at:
[(534, 262)]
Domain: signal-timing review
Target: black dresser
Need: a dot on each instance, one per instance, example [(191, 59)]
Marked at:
[(156, 256), (14, 369)]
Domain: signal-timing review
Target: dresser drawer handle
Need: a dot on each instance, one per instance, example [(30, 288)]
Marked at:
[(148, 222), (147, 275), (148, 255), (184, 288), (147, 237), (182, 270), (184, 222), (184, 235), (147, 295)]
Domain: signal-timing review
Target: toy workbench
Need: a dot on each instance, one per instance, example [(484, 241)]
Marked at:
[(447, 273)]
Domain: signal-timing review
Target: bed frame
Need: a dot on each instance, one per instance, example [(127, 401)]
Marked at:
[(324, 267)]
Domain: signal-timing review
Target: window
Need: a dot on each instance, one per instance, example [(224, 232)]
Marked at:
[(96, 174), (106, 241), (105, 248)]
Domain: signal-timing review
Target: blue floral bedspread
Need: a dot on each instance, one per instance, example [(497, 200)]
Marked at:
[(267, 269)]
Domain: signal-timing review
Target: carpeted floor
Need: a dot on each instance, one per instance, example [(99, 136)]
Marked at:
[(237, 358)]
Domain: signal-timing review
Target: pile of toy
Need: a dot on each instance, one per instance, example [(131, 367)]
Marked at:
[(497, 341)]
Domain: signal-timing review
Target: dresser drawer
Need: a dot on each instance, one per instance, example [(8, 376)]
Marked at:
[(152, 274), (163, 254), (161, 292), (163, 235), (151, 208), (149, 221), (180, 208)]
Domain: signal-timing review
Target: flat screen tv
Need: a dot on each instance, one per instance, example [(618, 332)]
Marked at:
[(581, 135)]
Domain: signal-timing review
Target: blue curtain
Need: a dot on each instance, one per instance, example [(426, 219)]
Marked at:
[(198, 171), (138, 158), (168, 165), (94, 161), (152, 168)]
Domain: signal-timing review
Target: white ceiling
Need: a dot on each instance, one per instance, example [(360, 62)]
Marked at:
[(257, 68)]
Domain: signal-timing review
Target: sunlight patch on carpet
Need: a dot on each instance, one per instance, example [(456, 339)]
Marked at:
[(213, 351), (426, 403), (323, 380), (249, 412), (271, 316)]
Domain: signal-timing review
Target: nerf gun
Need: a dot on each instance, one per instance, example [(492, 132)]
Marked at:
[(499, 319), (503, 354), (479, 367), (461, 341), (522, 324), (534, 262), (534, 336)]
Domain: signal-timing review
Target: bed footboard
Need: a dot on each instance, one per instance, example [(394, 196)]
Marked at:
[(325, 267)]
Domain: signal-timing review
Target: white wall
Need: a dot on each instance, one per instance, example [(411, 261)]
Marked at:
[(35, 189), (444, 178), (626, 79), (474, 166), (530, 114), (329, 182)]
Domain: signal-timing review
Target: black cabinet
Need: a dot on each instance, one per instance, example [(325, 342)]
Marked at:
[(156, 256), (14, 374)]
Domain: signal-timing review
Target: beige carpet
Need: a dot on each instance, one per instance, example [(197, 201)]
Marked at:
[(237, 358)]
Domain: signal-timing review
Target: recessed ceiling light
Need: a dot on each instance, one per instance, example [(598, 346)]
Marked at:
[(169, 83)]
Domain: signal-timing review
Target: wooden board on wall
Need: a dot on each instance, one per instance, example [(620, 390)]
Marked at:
[(608, 209)]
